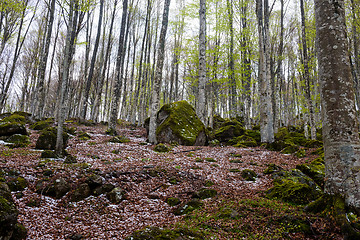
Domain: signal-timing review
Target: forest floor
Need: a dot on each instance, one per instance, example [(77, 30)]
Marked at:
[(148, 178)]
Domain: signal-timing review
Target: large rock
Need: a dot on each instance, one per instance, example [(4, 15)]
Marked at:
[(229, 129), (11, 128), (47, 139), (9, 228), (178, 123)]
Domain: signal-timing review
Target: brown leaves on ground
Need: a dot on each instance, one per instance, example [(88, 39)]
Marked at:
[(148, 178)]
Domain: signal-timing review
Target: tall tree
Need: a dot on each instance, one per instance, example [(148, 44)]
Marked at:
[(119, 66), (340, 123), (155, 93), (201, 103), (232, 81), (306, 73), (92, 65), (40, 99), (266, 111)]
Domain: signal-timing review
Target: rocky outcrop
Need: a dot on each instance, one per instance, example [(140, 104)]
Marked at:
[(178, 123)]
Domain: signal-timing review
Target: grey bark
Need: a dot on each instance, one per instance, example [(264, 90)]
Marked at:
[(119, 66), (340, 124), (92, 65), (200, 106), (155, 93)]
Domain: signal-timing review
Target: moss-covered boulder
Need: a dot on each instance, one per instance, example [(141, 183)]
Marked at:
[(178, 123), (294, 187), (243, 141), (119, 139), (248, 175), (81, 192), (56, 188), (40, 125), (154, 233), (205, 193), (173, 201), (272, 168), (11, 128), (315, 170), (9, 228), (188, 206), (334, 206), (48, 154), (47, 139), (229, 129), (17, 183), (14, 118), (84, 136), (115, 196), (18, 140), (218, 121), (162, 148)]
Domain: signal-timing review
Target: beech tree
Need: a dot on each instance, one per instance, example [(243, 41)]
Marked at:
[(155, 94), (340, 123)]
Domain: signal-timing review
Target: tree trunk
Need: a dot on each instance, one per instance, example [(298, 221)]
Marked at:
[(92, 65), (340, 124), (155, 99), (200, 106), (119, 66), (232, 81)]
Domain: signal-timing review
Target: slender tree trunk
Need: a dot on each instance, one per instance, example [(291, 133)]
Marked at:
[(232, 81), (155, 99), (92, 65), (200, 106), (119, 66), (266, 111), (340, 123), (307, 74)]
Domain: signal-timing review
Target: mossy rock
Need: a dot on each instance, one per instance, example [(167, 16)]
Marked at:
[(313, 143), (300, 153), (162, 148), (19, 233), (188, 207), (315, 170), (272, 168), (294, 224), (228, 130), (277, 145), (319, 151), (178, 123), (119, 139), (229, 213), (70, 130), (56, 188), (243, 141), (115, 196), (47, 139), (11, 128), (254, 134), (17, 184), (8, 212), (40, 125), (334, 206), (81, 192), (218, 121), (69, 159), (15, 118), (173, 201), (84, 136), (155, 233), (111, 132), (294, 187), (18, 140), (290, 149), (48, 154), (205, 193), (248, 175)]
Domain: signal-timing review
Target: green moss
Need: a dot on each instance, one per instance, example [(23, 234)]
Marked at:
[(293, 191), (300, 153), (205, 193), (11, 128), (188, 207), (290, 149), (119, 139), (48, 154), (15, 118), (234, 170), (254, 134), (210, 159), (313, 143), (111, 132), (84, 136), (182, 121), (40, 125), (173, 201), (244, 141), (162, 148), (17, 184), (272, 168), (47, 139), (248, 175), (315, 170), (19, 140), (154, 233), (228, 130)]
